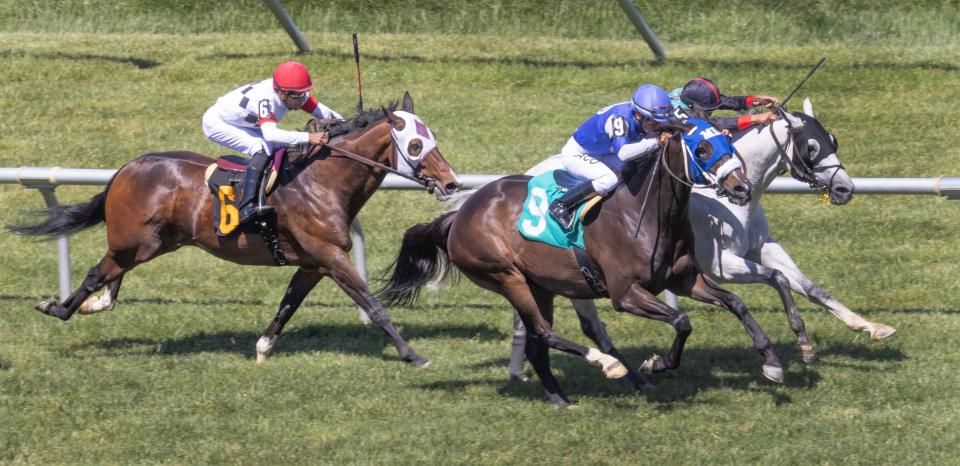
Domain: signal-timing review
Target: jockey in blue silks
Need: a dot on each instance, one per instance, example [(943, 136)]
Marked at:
[(602, 144)]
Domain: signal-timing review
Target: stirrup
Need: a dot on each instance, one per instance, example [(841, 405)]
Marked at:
[(561, 214), (254, 210)]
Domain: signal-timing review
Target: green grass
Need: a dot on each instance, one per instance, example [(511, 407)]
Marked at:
[(735, 22), (169, 377)]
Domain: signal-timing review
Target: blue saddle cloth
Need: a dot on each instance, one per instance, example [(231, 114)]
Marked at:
[(535, 222)]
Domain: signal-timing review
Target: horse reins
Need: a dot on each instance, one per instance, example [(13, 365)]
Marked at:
[(350, 155)]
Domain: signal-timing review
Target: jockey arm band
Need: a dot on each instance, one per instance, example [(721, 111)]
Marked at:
[(315, 108), (735, 102), (750, 100), (276, 135), (637, 149), (744, 122)]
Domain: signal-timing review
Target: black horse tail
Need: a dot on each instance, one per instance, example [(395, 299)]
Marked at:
[(64, 219), (423, 257)]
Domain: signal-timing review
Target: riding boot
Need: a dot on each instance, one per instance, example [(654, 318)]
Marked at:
[(562, 209), (253, 203)]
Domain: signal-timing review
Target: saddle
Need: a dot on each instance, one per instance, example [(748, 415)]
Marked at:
[(535, 224), (225, 179)]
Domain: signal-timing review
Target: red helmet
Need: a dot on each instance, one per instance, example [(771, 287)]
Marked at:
[(292, 76)]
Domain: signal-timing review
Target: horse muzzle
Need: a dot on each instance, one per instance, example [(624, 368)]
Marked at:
[(442, 191)]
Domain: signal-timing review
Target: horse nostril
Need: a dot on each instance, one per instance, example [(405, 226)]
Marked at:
[(841, 190), (451, 187), (740, 188)]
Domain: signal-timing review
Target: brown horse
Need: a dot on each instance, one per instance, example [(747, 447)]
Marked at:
[(638, 238), (159, 202)]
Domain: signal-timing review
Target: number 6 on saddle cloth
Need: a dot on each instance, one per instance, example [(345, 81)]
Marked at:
[(225, 179)]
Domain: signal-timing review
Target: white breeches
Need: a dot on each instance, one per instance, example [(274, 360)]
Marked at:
[(246, 140), (586, 167)]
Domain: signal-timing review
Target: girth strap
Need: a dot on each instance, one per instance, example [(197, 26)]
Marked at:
[(590, 272)]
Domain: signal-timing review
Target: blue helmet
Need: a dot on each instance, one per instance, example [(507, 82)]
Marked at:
[(653, 103)]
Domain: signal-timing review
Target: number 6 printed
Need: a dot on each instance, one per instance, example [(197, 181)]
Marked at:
[(263, 108)]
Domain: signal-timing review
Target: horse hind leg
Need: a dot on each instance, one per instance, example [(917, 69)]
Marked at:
[(105, 302), (773, 255), (97, 277)]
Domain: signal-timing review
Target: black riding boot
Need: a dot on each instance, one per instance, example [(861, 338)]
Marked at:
[(253, 202), (562, 209)]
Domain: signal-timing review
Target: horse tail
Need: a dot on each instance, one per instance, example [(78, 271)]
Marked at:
[(423, 257), (65, 219)]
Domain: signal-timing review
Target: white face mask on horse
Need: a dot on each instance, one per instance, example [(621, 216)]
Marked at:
[(413, 142)]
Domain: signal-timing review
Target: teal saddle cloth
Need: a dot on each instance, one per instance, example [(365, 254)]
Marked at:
[(536, 224)]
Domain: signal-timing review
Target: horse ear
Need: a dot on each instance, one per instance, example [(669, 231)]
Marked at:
[(407, 102), (793, 119), (807, 106), (396, 121)]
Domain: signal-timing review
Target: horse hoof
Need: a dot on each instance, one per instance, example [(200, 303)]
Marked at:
[(44, 305), (648, 366), (881, 331), (615, 370), (264, 345), (522, 378), (420, 362), (808, 355), (773, 373)]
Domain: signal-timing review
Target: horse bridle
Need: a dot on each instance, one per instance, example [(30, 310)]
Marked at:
[(417, 176), (799, 168), (714, 182)]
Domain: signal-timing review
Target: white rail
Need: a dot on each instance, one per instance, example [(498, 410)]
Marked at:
[(46, 179)]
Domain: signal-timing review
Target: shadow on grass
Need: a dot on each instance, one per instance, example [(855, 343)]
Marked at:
[(349, 339), (140, 63), (702, 370), (697, 62)]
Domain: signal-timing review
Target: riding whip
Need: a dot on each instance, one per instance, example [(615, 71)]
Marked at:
[(812, 70), (356, 59)]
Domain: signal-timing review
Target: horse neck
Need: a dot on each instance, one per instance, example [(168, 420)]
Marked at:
[(351, 181), (667, 198), (762, 157)]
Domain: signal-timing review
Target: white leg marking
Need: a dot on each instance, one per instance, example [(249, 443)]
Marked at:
[(264, 345), (612, 368)]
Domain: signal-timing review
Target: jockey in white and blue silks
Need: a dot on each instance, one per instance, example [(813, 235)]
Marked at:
[(601, 145)]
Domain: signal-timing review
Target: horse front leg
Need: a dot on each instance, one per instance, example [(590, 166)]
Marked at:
[(773, 255), (703, 289), (303, 281), (731, 268), (342, 272), (640, 302)]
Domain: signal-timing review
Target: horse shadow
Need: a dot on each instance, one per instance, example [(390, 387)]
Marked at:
[(703, 370), (354, 339)]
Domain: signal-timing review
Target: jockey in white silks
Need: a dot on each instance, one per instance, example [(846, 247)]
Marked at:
[(245, 120)]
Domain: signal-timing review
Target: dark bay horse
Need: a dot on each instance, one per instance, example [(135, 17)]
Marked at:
[(639, 239), (159, 202)]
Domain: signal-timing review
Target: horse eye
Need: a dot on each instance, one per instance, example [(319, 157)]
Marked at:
[(704, 149)]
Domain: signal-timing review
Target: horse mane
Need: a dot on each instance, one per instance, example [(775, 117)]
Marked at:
[(361, 121)]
